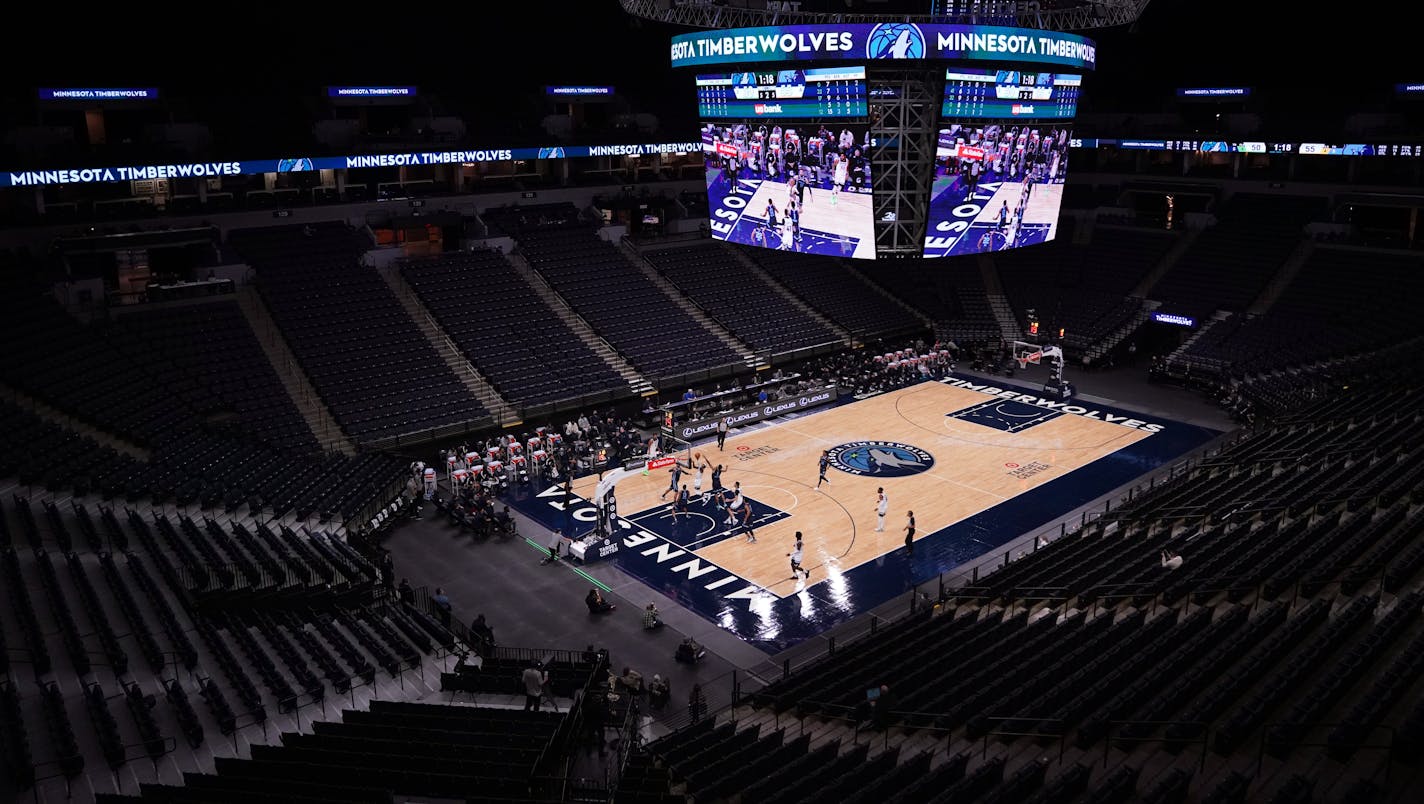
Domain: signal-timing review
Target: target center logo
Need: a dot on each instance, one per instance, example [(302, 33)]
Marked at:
[(880, 458)]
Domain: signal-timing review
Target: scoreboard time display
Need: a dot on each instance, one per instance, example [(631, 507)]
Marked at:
[(811, 93), (1009, 94)]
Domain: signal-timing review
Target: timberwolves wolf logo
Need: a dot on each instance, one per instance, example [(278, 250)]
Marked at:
[(880, 458), (895, 40), (295, 165), (551, 153)]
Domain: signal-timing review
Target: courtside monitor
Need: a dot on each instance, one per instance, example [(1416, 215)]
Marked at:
[(790, 185)]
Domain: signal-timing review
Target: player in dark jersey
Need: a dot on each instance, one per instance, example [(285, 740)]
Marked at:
[(674, 477), (822, 465), (679, 505), (770, 223), (746, 522)]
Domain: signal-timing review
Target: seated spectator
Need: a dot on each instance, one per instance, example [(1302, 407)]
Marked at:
[(482, 633), (689, 651), (596, 604), (441, 602), (631, 682), (659, 691), (1171, 560), (651, 620), (504, 521)]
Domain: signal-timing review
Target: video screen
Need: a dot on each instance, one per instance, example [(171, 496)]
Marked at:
[(791, 186), (1009, 94), (997, 185), (821, 92)]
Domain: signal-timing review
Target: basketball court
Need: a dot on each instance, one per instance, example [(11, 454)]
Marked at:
[(979, 463)]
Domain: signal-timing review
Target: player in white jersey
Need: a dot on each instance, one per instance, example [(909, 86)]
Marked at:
[(796, 556), (882, 504), (838, 177)]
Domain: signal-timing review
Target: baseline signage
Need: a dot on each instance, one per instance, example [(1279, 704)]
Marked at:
[(301, 164), (142, 93), (699, 427), (886, 40)]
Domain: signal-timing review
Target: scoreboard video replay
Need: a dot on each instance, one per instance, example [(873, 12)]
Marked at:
[(788, 146)]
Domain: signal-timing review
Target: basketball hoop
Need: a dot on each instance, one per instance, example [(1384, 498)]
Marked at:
[(1024, 358), (1025, 353)]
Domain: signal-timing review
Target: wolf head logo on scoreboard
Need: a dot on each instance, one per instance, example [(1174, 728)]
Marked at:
[(895, 40), (880, 458)]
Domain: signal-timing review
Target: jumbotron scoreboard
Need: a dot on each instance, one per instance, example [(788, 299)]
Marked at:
[(820, 92), (1010, 94), (814, 136)]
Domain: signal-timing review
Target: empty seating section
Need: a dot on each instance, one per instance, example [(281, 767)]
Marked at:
[(1082, 289), (190, 458), (739, 299), (832, 288), (498, 322), (950, 292), (52, 357), (373, 368), (251, 664), (622, 305), (213, 348), (1343, 302), (412, 749), (1231, 262)]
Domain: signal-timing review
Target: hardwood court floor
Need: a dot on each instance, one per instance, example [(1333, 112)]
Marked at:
[(984, 451)]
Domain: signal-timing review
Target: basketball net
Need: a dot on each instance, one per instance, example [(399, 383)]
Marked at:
[(1028, 357)]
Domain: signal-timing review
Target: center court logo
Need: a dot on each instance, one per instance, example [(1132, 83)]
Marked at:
[(880, 458), (895, 40)]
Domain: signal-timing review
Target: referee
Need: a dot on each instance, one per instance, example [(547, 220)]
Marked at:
[(910, 532), (721, 433)]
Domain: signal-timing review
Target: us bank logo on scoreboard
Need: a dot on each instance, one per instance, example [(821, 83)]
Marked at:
[(880, 458)]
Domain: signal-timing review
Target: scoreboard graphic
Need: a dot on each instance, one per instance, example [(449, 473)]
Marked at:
[(802, 94), (1009, 94)]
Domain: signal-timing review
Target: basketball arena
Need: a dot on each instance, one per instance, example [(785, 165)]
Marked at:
[(730, 402)]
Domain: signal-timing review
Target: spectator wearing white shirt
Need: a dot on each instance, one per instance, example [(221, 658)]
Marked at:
[(1171, 560)]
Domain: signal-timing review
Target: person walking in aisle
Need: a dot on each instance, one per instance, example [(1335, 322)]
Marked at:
[(534, 679)]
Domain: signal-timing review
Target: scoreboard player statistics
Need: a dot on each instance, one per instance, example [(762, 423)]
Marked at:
[(812, 93), (1009, 94)]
